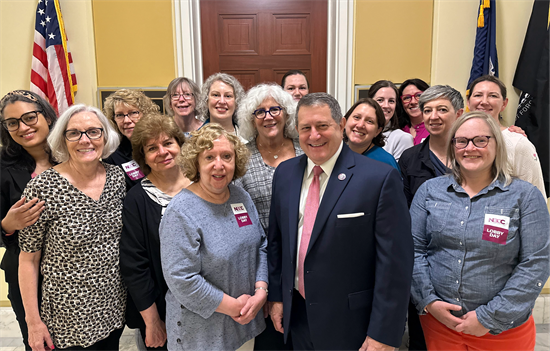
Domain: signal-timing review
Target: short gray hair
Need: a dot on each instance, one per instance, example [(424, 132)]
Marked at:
[(57, 141), (321, 99), (202, 103), (173, 87), (500, 165), (442, 92), (254, 98)]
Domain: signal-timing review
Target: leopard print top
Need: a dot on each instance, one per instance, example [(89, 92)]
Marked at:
[(83, 295)]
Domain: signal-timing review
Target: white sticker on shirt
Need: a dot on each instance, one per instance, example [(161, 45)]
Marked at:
[(241, 215), (495, 228), (132, 170)]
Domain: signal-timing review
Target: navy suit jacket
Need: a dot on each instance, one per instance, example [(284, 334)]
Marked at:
[(357, 271)]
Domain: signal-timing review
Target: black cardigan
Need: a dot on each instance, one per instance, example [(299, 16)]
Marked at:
[(12, 183), (416, 168), (140, 256)]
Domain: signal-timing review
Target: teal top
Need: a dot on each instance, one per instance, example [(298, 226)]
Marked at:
[(379, 154)]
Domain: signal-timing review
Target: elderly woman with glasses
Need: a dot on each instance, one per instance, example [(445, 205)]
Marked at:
[(124, 108), (181, 103), (481, 246), (411, 119), (266, 118), (213, 249), (220, 97), (27, 120), (75, 242)]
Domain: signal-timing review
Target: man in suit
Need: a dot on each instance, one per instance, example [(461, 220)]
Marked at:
[(340, 249)]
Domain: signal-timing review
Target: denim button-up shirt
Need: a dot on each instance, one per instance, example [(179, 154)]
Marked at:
[(465, 256)]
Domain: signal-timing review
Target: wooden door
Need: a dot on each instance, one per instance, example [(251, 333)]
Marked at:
[(260, 40)]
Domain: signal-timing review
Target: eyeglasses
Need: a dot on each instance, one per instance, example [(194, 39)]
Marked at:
[(76, 135), (273, 111), (29, 119), (186, 96), (480, 141), (407, 98), (134, 115)]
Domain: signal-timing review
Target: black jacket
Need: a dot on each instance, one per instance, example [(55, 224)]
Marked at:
[(12, 183), (140, 256), (416, 168), (122, 155)]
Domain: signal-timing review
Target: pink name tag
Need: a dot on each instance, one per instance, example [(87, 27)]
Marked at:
[(132, 170), (241, 215), (495, 228)]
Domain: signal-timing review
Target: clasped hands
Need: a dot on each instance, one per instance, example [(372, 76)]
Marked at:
[(249, 306), (467, 324)]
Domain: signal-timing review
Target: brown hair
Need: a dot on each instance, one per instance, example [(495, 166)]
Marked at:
[(380, 119), (151, 126), (128, 97)]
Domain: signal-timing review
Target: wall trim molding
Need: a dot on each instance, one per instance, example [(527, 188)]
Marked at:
[(339, 46)]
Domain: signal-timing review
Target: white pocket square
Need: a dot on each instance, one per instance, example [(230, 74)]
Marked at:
[(351, 215)]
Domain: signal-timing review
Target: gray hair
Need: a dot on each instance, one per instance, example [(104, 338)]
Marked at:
[(57, 141), (254, 98), (500, 165), (202, 103), (442, 92), (173, 87), (321, 99)]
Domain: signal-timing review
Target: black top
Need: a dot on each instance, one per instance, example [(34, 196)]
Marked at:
[(140, 256), (416, 167), (12, 183), (123, 155)]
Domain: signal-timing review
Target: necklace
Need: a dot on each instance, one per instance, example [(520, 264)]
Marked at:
[(275, 156)]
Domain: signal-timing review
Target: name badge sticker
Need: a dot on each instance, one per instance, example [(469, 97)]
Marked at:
[(132, 170), (241, 215), (495, 228)]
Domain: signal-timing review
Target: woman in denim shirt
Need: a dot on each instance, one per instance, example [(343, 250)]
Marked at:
[(481, 246)]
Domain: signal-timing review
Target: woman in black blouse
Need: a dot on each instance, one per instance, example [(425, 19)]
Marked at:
[(124, 108), (156, 143)]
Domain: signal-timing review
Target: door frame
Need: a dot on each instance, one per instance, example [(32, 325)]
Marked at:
[(340, 31)]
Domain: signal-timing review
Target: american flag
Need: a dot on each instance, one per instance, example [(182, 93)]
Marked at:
[(52, 74)]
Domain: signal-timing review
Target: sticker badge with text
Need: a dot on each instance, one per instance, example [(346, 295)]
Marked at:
[(241, 215), (132, 170), (495, 228)]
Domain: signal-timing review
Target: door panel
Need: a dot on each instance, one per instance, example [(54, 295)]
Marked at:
[(259, 41)]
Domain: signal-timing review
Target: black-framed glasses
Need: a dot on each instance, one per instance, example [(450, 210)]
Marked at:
[(29, 119), (133, 115), (76, 135), (407, 98), (186, 96), (479, 141), (273, 111)]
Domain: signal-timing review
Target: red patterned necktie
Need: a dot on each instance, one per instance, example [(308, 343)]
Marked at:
[(310, 212)]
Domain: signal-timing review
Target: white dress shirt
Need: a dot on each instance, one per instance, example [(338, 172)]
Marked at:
[(327, 168)]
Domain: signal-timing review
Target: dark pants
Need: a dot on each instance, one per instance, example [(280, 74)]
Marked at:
[(14, 295), (416, 335), (110, 343), (299, 326), (162, 348), (270, 339)]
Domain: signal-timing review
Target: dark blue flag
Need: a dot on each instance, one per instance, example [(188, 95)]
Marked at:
[(485, 50)]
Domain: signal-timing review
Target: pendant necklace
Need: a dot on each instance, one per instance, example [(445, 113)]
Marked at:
[(275, 156)]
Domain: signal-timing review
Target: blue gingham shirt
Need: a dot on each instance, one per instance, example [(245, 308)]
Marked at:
[(453, 263)]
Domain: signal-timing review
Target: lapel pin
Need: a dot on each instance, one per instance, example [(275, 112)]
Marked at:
[(341, 176)]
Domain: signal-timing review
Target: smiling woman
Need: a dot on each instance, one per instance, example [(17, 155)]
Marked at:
[(213, 249), (76, 239)]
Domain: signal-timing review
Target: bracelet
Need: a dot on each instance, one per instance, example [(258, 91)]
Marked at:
[(261, 288)]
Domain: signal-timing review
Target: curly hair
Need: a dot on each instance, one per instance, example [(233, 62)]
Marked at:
[(203, 139), (173, 87), (13, 154), (134, 98), (151, 126), (254, 98), (202, 103), (380, 119)]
